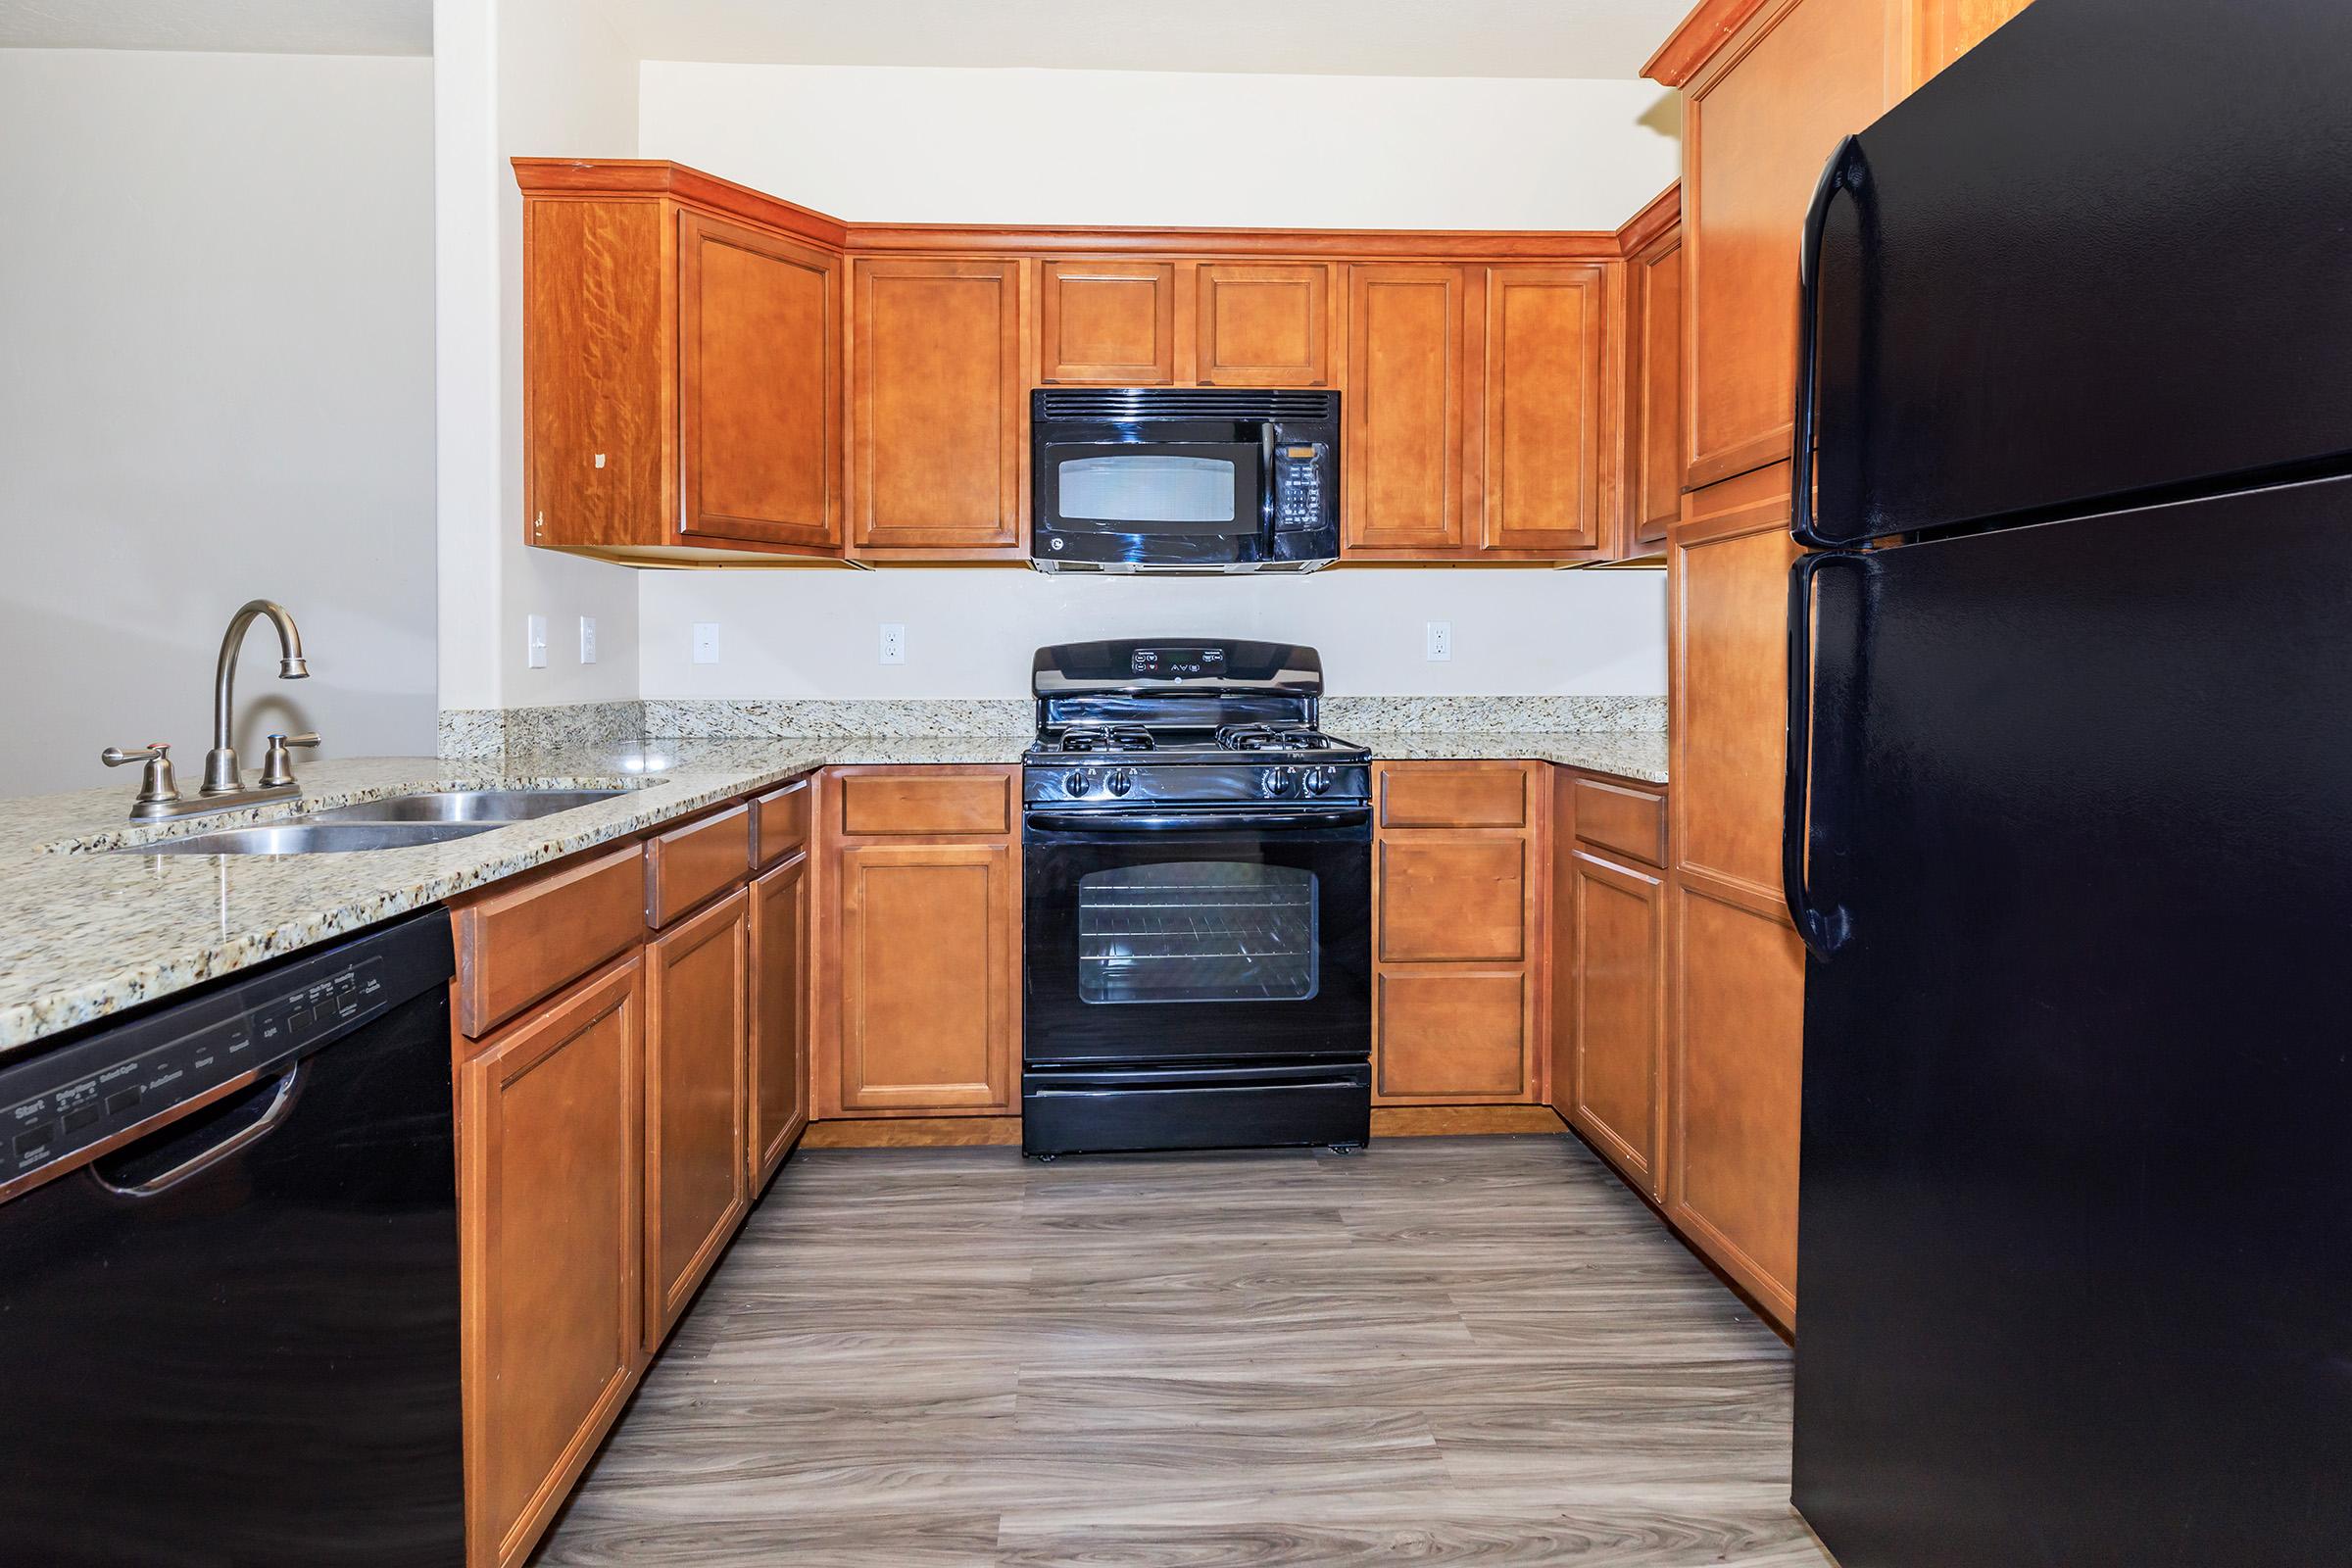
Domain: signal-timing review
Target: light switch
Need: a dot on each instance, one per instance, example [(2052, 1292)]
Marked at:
[(534, 641), (706, 642)]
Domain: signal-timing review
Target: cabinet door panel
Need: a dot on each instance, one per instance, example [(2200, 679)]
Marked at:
[(1263, 325), (779, 998), (1453, 1034), (1657, 412), (599, 409), (1108, 322), (759, 376), (929, 967), (1758, 124), (1451, 897), (1617, 944), (697, 1181), (549, 1135), (1545, 357), (1409, 373), (1735, 1066), (936, 429)]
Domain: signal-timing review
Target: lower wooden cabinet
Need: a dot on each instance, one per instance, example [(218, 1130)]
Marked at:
[(1610, 1030), (550, 1129), (1457, 920), (778, 1100), (696, 1176)]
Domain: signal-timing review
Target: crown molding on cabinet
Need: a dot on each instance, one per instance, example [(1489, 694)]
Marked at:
[(1647, 226), (1708, 26)]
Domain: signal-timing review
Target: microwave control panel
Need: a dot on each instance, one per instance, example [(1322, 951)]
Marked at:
[(1298, 495)]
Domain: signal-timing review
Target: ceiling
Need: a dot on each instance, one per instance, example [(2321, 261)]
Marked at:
[(225, 26), (1303, 37)]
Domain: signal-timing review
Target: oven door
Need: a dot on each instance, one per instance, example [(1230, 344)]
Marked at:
[(1152, 503), (1196, 936)]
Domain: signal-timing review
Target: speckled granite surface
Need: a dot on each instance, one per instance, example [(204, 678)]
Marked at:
[(1626, 753), (1354, 717), (913, 716), (84, 933)]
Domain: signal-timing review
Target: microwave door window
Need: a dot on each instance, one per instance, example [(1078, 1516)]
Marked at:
[(1152, 492)]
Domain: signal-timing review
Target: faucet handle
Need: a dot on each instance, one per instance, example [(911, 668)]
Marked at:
[(277, 766), (156, 783)]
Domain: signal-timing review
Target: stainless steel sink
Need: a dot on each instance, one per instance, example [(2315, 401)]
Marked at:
[(465, 805), (303, 836)]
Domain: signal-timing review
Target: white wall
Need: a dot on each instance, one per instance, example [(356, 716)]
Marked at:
[(513, 77), (216, 383), (1010, 146), (970, 631), (930, 145)]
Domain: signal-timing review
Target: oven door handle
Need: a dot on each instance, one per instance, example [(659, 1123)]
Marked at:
[(1199, 821)]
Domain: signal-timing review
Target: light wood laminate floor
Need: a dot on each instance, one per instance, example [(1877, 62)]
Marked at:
[(1477, 1349)]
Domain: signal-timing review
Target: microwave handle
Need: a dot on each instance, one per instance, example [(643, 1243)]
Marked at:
[(1266, 484)]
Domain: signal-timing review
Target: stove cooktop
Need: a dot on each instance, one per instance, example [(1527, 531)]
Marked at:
[(1232, 743)]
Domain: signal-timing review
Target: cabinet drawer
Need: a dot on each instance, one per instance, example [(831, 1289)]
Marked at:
[(779, 822), (1632, 822), (1458, 1033), (1446, 897), (889, 803), (527, 937), (688, 866), (1472, 795)]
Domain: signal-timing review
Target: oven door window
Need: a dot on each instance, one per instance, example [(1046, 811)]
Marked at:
[(1197, 931), (1151, 490)]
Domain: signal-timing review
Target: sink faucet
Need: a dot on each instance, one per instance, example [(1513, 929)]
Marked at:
[(220, 773), (224, 781)]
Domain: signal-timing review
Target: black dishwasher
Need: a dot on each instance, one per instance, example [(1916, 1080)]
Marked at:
[(228, 1274)]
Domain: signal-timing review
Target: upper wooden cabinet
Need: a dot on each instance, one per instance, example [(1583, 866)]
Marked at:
[(937, 415), (1760, 117), (1950, 28), (1106, 323), (1405, 492), (681, 382), (1653, 412), (1263, 323), (1548, 481)]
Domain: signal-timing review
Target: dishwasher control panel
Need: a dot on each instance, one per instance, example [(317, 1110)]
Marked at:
[(102, 1089)]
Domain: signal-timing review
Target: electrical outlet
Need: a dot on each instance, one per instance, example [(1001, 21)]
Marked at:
[(1441, 641), (587, 639), (894, 643), (706, 642), (534, 641)]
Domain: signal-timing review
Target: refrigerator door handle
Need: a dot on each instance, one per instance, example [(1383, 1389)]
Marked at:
[(1824, 931), (1842, 172)]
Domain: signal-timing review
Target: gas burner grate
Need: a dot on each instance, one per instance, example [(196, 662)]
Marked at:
[(1273, 738), (1104, 738)]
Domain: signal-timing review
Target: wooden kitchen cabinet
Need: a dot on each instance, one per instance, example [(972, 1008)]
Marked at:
[(1407, 489), (681, 384), (1950, 28), (918, 942), (1263, 323), (1106, 323), (1608, 1020), (777, 1099), (1654, 393), (1735, 1038), (1549, 473), (549, 1132), (938, 421), (697, 1174), (1761, 114), (1457, 912)]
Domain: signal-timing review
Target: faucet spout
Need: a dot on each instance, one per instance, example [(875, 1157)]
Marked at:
[(221, 772)]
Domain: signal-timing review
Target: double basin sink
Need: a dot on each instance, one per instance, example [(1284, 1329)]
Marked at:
[(399, 821)]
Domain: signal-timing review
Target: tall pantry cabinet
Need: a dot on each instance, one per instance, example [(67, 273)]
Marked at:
[(1769, 88)]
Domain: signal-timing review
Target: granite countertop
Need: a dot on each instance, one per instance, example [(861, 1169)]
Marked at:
[(85, 933)]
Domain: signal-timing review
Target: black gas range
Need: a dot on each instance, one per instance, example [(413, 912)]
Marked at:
[(1197, 901)]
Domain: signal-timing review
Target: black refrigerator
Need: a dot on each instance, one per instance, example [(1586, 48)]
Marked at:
[(2071, 802)]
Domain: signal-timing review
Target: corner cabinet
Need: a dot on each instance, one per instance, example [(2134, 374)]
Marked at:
[(938, 417), (1551, 371), (1653, 413), (681, 384)]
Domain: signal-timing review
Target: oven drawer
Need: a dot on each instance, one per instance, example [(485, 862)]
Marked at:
[(1264, 1106)]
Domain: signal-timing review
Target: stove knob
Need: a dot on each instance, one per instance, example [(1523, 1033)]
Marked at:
[(1318, 780), (1121, 780), (1076, 782), (1282, 781)]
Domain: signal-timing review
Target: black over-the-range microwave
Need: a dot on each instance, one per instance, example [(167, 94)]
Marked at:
[(1183, 480)]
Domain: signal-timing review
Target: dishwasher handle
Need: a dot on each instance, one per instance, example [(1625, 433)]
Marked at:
[(154, 1163)]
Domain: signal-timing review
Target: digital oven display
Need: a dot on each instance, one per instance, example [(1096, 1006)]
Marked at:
[(1177, 663)]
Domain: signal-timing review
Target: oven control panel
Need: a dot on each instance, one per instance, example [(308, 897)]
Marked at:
[(1195, 784)]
